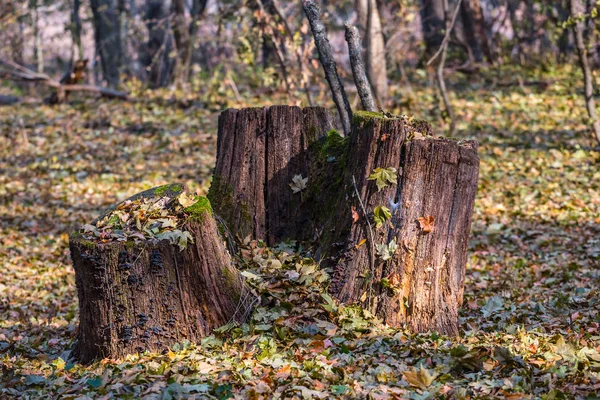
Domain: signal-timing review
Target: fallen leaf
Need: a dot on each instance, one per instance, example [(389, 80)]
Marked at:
[(420, 378), (187, 200), (426, 223)]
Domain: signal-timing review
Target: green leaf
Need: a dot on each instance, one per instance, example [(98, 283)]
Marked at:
[(384, 177), (381, 214)]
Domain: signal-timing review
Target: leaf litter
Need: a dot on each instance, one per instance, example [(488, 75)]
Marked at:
[(530, 323)]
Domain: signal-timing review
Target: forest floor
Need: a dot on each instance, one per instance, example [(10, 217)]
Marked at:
[(530, 320)]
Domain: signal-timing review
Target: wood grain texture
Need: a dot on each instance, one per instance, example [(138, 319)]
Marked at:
[(437, 179), (259, 151)]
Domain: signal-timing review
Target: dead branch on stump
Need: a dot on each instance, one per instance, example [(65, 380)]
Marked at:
[(358, 68), (326, 57)]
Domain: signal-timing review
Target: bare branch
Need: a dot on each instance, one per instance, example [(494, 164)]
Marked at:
[(358, 68), (325, 55)]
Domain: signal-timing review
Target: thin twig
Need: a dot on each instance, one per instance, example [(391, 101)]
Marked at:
[(372, 241)]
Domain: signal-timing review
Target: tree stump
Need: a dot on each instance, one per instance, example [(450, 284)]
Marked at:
[(260, 151), (389, 208), (147, 293), (410, 270)]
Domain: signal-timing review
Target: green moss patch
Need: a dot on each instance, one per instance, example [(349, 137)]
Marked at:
[(200, 208)]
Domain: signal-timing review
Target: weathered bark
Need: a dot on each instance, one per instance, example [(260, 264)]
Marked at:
[(578, 27), (421, 285), (107, 30), (76, 31), (361, 81), (376, 58), (150, 295), (328, 63), (259, 152)]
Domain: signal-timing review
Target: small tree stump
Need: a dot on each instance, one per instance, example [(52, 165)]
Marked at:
[(149, 294), (259, 152)]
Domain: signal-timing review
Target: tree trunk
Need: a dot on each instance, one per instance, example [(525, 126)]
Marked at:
[(432, 24), (376, 55), (259, 152), (38, 45), (76, 31), (156, 52), (578, 27), (107, 29), (182, 41), (149, 295), (410, 270)]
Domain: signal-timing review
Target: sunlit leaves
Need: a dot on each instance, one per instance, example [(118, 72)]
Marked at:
[(384, 177), (385, 251), (381, 214)]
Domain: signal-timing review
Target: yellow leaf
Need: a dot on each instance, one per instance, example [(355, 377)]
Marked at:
[(363, 297), (361, 243), (187, 200), (419, 378)]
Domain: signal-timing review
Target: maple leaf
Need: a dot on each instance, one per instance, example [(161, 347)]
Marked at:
[(384, 177), (420, 378), (426, 223), (381, 214), (386, 251), (298, 183), (284, 372)]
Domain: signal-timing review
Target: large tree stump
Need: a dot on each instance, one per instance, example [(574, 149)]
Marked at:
[(418, 281), (150, 294), (410, 269), (259, 152)]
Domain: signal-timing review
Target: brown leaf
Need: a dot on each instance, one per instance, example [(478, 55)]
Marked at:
[(354, 215), (426, 223), (284, 372), (419, 378), (394, 279)]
